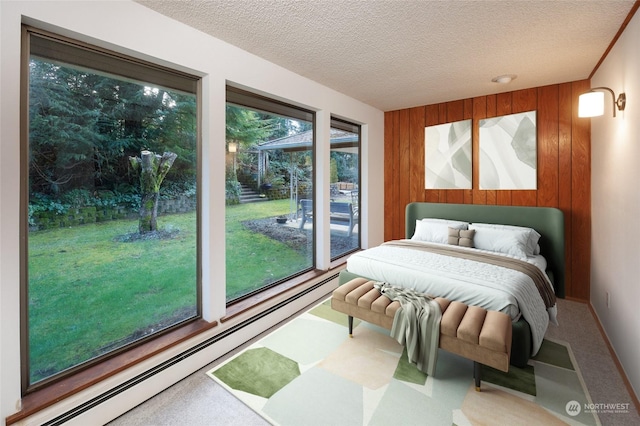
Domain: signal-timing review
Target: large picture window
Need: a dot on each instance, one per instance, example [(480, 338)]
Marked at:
[(344, 187), (110, 205), (269, 183)]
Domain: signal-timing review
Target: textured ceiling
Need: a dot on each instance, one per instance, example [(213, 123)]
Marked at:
[(396, 54)]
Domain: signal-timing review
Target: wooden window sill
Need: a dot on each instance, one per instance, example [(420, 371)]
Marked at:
[(237, 308), (63, 388)]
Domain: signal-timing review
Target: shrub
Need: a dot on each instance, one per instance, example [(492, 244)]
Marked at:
[(333, 170), (232, 192), (77, 198)]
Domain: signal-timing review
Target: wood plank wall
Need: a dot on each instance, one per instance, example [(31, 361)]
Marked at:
[(564, 165)]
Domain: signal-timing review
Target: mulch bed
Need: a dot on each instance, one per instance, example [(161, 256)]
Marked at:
[(296, 238)]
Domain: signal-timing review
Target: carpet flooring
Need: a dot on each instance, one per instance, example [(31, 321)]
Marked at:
[(310, 372), (199, 400)]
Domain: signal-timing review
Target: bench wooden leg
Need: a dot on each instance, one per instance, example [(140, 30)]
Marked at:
[(477, 371), (350, 326)]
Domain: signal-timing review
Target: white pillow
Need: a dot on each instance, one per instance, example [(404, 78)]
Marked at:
[(436, 230), (507, 241), (456, 224), (532, 247)]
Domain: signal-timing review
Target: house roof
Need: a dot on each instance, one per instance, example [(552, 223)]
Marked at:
[(340, 140)]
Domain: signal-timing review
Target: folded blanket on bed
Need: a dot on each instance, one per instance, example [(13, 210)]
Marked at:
[(416, 325)]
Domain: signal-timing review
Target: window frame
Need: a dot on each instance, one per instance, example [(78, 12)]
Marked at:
[(97, 59), (341, 124), (246, 99)]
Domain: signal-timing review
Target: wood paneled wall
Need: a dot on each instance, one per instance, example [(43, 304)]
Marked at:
[(564, 170)]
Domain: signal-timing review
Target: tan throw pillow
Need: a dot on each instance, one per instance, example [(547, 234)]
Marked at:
[(461, 237)]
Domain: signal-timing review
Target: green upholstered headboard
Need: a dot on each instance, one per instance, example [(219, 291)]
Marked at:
[(548, 221)]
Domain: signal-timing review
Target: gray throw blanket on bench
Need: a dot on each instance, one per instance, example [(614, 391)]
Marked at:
[(416, 325)]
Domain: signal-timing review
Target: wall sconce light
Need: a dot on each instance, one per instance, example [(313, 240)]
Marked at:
[(233, 147), (591, 104)]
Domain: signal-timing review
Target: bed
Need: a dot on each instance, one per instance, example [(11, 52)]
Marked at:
[(548, 222)]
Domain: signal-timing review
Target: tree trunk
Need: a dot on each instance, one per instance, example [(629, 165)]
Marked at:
[(148, 221), (153, 169)]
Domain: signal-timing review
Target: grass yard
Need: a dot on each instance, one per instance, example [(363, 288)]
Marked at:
[(255, 260), (91, 290)]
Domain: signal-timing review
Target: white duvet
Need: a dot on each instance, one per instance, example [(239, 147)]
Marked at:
[(474, 283)]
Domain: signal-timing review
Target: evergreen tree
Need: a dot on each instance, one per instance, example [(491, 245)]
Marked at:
[(84, 125)]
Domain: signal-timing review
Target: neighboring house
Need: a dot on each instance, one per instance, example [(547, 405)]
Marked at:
[(611, 217)]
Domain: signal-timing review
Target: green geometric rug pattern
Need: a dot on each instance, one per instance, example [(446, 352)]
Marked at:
[(259, 371), (309, 372)]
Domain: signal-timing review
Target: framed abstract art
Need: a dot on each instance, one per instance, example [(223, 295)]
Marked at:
[(448, 156), (508, 152)]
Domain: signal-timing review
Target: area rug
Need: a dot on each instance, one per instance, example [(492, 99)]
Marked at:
[(309, 372)]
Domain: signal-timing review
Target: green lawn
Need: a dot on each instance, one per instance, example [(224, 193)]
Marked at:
[(254, 260), (89, 292)]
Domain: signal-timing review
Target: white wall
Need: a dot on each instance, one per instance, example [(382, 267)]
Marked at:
[(131, 28), (615, 209)]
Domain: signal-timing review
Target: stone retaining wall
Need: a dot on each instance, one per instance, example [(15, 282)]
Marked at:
[(84, 215)]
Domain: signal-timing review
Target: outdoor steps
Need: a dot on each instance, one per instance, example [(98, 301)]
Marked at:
[(248, 195)]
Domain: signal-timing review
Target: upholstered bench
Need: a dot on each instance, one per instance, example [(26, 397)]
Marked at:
[(469, 331)]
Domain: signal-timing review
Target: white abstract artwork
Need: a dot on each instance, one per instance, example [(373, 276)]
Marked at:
[(447, 156), (508, 152)]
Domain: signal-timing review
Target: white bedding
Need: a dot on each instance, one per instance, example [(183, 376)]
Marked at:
[(475, 283)]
